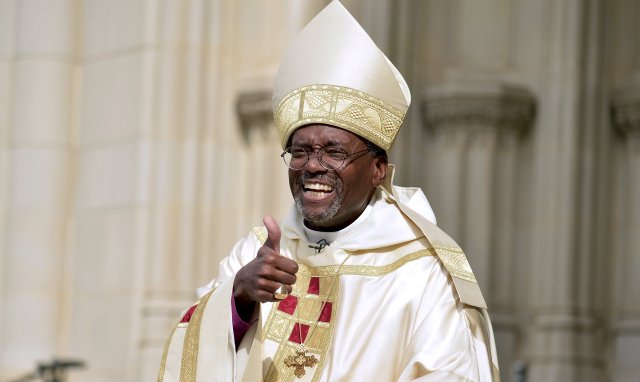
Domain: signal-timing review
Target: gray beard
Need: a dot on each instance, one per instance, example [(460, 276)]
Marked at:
[(321, 217)]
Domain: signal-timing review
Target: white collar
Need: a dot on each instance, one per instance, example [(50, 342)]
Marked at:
[(382, 226), (314, 236)]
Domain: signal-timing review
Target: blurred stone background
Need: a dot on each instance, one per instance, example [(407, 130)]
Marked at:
[(136, 146)]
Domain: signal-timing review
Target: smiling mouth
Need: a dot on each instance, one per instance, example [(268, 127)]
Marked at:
[(317, 190)]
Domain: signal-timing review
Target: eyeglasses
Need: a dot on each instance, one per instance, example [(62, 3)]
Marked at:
[(331, 158)]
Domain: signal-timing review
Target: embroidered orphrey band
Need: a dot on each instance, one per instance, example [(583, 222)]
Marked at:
[(189, 364), (455, 262)]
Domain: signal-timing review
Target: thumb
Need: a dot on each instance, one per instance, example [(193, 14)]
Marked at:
[(273, 233)]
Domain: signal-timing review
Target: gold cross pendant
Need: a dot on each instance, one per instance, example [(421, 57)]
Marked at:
[(300, 360)]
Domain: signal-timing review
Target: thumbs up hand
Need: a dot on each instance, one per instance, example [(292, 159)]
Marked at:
[(262, 277)]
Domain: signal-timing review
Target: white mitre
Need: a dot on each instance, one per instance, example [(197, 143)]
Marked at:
[(333, 73)]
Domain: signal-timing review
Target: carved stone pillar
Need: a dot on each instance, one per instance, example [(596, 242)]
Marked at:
[(174, 146), (476, 128), (564, 338), (268, 180), (626, 294), (35, 192)]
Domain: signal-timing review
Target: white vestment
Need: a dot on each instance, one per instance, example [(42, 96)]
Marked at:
[(383, 302)]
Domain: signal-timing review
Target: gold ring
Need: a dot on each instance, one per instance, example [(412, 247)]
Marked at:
[(280, 293)]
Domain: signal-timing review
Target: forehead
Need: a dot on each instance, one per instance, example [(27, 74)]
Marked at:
[(323, 135)]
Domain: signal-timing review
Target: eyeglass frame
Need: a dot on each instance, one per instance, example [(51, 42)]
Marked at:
[(319, 156)]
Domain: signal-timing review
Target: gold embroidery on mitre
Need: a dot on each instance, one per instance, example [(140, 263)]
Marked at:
[(349, 109), (455, 262)]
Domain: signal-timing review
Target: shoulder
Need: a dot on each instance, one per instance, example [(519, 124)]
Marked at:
[(439, 270), (246, 248), (241, 254)]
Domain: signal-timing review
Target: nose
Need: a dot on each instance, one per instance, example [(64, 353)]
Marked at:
[(313, 165)]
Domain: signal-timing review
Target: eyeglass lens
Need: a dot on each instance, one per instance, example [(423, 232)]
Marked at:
[(330, 158)]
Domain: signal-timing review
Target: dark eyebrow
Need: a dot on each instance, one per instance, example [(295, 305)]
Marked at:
[(333, 144), (330, 143)]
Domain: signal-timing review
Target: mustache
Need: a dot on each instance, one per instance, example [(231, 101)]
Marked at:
[(323, 178)]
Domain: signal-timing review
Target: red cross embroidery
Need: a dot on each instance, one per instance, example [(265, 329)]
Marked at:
[(289, 305)]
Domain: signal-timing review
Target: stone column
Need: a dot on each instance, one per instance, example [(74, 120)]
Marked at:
[(569, 196), (626, 293), (35, 180), (172, 185), (214, 162), (476, 130), (268, 175)]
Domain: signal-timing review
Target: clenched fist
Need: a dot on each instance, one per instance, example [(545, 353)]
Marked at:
[(258, 280)]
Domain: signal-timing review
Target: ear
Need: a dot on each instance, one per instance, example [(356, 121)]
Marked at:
[(379, 165)]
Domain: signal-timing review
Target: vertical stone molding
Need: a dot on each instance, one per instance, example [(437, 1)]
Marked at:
[(175, 145), (477, 127), (625, 328), (214, 155), (265, 165), (36, 189), (564, 338)]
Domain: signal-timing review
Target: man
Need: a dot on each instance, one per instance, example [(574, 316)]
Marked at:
[(357, 283)]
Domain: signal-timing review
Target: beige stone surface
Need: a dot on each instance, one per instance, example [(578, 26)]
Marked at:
[(107, 242), (45, 28), (7, 20), (106, 346), (6, 78), (112, 100), (45, 87), (107, 177), (116, 27), (32, 334), (38, 180)]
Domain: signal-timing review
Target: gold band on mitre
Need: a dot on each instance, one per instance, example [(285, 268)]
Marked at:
[(339, 106)]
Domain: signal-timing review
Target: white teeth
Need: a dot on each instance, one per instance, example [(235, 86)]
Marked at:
[(318, 187), (316, 195)]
